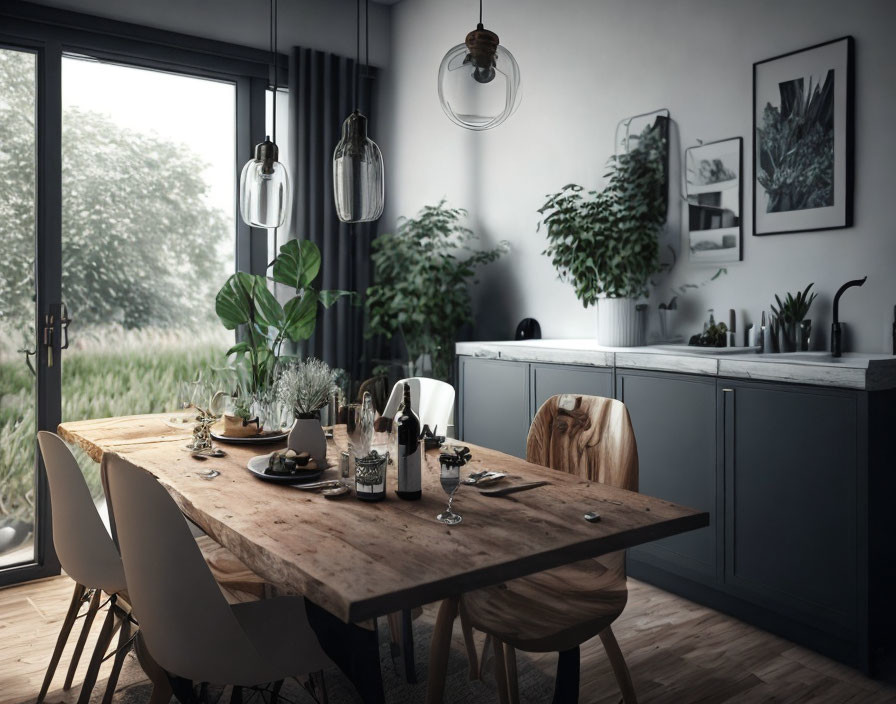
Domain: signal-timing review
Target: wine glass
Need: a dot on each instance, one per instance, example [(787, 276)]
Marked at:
[(449, 476)]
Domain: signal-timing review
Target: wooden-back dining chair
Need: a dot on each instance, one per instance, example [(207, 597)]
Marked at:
[(559, 609)]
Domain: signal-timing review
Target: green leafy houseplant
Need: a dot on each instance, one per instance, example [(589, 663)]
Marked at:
[(605, 243), (246, 302), (421, 277)]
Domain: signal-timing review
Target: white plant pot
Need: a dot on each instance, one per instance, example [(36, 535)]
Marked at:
[(307, 435), (619, 323)]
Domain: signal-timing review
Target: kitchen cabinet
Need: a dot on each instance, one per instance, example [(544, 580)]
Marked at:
[(798, 479), (493, 404), (793, 474), (674, 417), (550, 379)]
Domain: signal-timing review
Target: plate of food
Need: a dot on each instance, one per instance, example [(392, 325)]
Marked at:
[(285, 467), (235, 430)]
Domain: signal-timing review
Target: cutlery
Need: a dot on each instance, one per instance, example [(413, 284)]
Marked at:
[(328, 484), (486, 477), (505, 490)]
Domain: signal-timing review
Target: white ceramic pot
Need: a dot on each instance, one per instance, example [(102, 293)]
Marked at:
[(619, 324), (307, 435)]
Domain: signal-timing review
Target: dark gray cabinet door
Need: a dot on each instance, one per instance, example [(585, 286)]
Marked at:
[(494, 404), (551, 379), (791, 500), (674, 417)]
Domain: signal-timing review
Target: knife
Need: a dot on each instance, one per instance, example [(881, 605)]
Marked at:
[(505, 490)]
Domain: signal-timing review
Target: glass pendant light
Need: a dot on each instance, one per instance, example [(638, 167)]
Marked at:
[(264, 182), (358, 179), (479, 81)]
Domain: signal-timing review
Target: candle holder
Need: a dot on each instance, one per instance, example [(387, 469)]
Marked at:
[(370, 476)]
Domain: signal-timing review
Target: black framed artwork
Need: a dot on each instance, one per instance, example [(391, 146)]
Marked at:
[(714, 195), (803, 105)]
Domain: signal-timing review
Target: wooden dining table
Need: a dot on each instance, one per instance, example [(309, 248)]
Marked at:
[(361, 560)]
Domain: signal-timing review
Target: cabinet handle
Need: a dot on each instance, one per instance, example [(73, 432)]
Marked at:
[(728, 391)]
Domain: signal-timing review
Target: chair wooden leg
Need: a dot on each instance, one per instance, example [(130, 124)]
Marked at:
[(161, 687), (472, 655), (500, 671), (122, 651), (439, 650), (394, 621), (486, 652), (566, 684), (319, 686), (620, 669), (99, 652), (513, 688), (82, 639), (67, 624)]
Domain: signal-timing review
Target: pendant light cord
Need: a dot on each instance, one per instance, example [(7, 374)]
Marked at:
[(357, 49), (274, 64), (480, 11)]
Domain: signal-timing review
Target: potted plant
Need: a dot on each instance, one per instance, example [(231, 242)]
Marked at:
[(246, 303), (305, 387), (421, 291), (793, 329), (605, 243)]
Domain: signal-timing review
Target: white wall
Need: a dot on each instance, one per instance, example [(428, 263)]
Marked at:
[(328, 25), (587, 64)]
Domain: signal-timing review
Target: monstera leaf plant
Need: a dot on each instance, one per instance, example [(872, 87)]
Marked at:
[(245, 302)]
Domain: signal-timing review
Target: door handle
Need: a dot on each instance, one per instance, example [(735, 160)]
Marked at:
[(64, 322), (28, 355)]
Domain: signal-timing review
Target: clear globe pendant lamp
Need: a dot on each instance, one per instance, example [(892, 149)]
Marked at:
[(359, 184), (265, 194), (479, 81)]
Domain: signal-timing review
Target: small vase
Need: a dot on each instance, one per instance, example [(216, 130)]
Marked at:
[(619, 323), (307, 435)]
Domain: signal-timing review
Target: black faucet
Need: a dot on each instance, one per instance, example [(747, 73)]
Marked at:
[(836, 332)]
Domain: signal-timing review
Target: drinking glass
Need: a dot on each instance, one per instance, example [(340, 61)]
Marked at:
[(449, 476)]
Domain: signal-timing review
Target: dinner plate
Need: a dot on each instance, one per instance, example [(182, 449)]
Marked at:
[(258, 465), (251, 439)]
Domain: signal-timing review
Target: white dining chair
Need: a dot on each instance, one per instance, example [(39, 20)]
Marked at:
[(431, 399), (186, 625), (88, 555)]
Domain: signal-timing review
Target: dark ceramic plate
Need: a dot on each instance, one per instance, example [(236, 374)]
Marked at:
[(252, 439), (258, 465)]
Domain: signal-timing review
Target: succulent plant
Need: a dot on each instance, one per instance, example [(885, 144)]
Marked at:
[(793, 309)]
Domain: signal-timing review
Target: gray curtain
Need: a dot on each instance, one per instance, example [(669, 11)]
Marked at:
[(321, 96)]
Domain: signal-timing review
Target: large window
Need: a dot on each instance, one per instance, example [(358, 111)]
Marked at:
[(120, 147), (148, 235)]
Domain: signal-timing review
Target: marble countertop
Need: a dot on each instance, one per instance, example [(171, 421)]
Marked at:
[(854, 370)]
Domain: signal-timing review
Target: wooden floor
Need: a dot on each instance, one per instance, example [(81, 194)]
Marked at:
[(678, 652)]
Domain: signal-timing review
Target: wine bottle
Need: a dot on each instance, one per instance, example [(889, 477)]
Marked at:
[(409, 450)]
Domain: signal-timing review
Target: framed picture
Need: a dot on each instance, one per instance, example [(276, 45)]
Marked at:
[(803, 140), (715, 200)]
